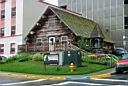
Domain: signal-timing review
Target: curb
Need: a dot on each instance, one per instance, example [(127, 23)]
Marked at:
[(59, 78), (35, 77), (90, 77), (107, 75)]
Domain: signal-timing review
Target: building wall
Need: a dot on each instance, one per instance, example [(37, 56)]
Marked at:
[(7, 26), (7, 23), (7, 42), (27, 13), (109, 14), (19, 17)]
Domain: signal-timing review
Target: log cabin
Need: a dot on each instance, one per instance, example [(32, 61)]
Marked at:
[(59, 29)]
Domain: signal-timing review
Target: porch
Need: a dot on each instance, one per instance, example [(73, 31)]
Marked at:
[(46, 47)]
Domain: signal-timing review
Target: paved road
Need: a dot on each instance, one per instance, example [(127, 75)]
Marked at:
[(11, 81), (114, 80)]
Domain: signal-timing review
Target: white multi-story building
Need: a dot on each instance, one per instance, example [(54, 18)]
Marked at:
[(17, 18), (111, 15)]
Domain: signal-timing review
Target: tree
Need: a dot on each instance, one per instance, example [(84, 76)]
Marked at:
[(82, 43)]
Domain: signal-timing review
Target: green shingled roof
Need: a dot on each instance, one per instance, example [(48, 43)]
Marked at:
[(80, 26), (107, 38)]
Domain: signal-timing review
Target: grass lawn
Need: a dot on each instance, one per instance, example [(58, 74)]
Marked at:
[(33, 67)]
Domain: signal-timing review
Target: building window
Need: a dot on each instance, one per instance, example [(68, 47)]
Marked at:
[(14, 11), (2, 1), (13, 30), (126, 27), (126, 23), (39, 41), (12, 48), (2, 14), (125, 1), (2, 32), (64, 39), (1, 48)]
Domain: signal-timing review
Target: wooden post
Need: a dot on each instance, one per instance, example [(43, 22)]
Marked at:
[(26, 48)]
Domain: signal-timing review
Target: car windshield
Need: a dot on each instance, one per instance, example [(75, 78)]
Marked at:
[(125, 57)]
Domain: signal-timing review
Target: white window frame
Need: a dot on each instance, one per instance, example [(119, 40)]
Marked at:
[(37, 40), (53, 21), (66, 40)]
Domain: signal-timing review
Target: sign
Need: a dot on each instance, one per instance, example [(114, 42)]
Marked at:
[(51, 59)]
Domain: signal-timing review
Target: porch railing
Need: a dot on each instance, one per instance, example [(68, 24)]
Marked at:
[(46, 47)]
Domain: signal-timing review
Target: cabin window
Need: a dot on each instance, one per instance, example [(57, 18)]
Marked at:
[(39, 41), (64, 39), (1, 48), (51, 24), (12, 48)]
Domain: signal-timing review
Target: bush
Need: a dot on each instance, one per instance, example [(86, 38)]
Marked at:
[(95, 59), (13, 58), (20, 57), (2, 62), (37, 57), (24, 57)]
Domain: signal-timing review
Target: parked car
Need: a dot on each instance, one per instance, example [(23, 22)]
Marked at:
[(119, 51), (122, 65)]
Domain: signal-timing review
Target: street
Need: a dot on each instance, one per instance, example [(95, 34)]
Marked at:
[(114, 80), (11, 81)]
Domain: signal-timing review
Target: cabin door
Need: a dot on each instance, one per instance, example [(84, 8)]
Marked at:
[(51, 43)]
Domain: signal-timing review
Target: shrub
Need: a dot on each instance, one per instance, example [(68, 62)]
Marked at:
[(24, 57), (95, 59), (37, 57), (1, 62), (20, 57), (13, 58)]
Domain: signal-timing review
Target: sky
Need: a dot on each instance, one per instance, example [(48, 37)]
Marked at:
[(54, 2)]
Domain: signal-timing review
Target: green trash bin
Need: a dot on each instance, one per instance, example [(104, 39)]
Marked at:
[(72, 57)]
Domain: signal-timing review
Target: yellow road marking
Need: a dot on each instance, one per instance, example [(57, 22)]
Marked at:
[(35, 77), (101, 76)]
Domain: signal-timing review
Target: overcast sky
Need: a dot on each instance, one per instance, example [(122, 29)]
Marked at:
[(55, 2)]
